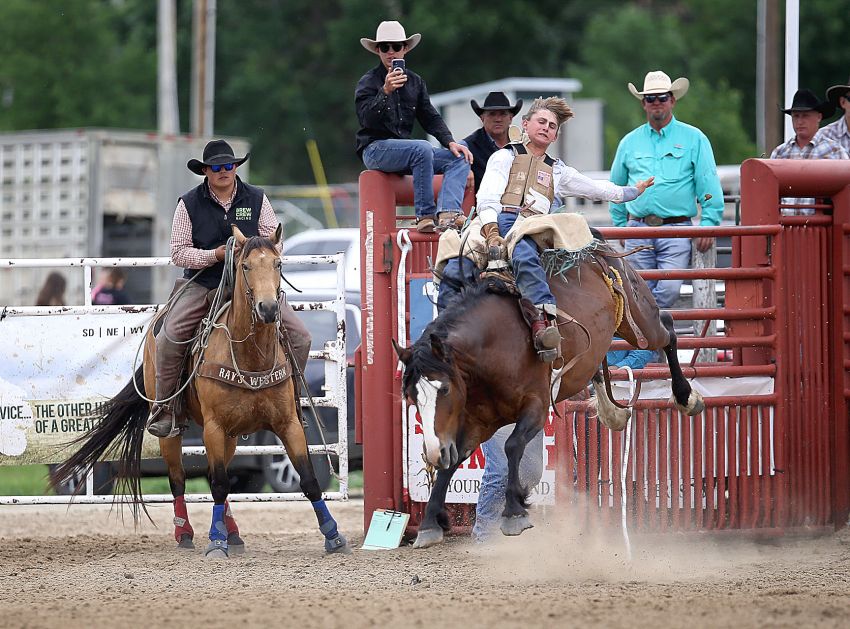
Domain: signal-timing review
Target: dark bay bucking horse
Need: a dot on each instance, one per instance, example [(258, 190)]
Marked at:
[(475, 369), (246, 384)]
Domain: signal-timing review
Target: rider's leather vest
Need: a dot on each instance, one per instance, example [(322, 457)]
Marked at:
[(211, 224), (529, 173)]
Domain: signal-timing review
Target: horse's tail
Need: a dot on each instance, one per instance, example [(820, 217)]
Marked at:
[(119, 432)]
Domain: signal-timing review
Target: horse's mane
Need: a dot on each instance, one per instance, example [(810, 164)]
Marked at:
[(257, 242), (422, 360)]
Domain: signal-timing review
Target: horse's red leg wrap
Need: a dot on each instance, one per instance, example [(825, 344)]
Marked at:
[(181, 519), (229, 522)]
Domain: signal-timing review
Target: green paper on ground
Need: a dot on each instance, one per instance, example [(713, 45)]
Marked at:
[(385, 530)]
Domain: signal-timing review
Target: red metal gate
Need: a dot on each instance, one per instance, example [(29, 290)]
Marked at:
[(770, 461)]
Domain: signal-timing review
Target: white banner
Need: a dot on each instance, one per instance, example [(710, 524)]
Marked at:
[(56, 372)]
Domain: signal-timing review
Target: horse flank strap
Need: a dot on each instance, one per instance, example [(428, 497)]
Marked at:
[(253, 380)]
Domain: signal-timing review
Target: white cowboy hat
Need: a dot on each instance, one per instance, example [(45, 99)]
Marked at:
[(657, 82), (390, 32)]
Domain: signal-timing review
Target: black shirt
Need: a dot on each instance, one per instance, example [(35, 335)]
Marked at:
[(384, 117), (482, 146)]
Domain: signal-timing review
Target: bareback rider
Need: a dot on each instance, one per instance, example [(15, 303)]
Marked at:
[(199, 233), (523, 180)]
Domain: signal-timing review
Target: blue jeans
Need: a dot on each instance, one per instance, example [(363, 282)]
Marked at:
[(491, 495), (455, 274), (525, 259), (669, 253), (424, 161)]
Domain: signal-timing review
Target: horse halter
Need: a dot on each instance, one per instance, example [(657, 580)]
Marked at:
[(249, 294)]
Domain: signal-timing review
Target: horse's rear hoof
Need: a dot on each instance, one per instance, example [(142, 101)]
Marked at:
[(217, 549), (515, 525), (235, 544), (337, 545), (186, 542), (428, 537), (696, 404)]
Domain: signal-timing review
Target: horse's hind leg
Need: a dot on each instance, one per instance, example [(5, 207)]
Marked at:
[(515, 516), (611, 416), (172, 454), (686, 399), (292, 436), (435, 521)]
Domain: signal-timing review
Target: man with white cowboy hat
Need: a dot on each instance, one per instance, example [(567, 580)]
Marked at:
[(838, 131), (680, 157), (806, 112), (200, 229), (496, 114), (388, 100)]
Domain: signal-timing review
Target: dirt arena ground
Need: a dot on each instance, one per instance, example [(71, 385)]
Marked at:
[(83, 568)]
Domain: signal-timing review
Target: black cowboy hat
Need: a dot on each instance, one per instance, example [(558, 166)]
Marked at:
[(496, 101), (837, 91), (805, 100), (216, 152)]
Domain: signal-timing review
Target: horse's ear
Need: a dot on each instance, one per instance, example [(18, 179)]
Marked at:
[(440, 349), (404, 353), (240, 237), (278, 233)]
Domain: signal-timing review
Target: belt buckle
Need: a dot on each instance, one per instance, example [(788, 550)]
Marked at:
[(653, 221)]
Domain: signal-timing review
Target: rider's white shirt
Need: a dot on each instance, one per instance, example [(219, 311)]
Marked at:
[(568, 183)]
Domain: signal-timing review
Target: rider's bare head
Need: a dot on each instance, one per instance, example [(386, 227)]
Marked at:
[(555, 104)]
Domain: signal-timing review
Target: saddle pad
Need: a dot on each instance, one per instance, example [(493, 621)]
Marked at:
[(252, 380), (568, 231)]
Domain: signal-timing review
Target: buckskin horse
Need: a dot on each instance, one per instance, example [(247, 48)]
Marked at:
[(247, 386), (474, 370)]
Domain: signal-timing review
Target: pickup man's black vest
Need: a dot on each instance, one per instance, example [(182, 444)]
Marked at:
[(211, 225)]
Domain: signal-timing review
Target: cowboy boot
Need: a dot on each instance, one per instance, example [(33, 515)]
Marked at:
[(161, 421), (547, 338)]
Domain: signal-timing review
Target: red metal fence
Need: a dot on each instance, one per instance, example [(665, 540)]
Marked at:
[(771, 461)]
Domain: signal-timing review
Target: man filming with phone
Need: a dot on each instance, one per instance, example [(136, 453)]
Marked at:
[(388, 99)]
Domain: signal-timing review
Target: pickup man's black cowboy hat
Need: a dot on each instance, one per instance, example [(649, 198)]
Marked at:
[(216, 152), (805, 100), (496, 101)]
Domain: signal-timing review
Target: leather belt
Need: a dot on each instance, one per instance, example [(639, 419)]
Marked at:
[(515, 210), (657, 221)]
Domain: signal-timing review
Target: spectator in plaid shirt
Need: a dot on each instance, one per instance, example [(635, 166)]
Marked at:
[(806, 112), (199, 233), (838, 131)]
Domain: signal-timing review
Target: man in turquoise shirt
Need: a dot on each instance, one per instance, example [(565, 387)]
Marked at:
[(680, 158)]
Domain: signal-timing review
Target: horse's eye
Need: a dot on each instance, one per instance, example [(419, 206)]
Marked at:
[(443, 390), (245, 267), (277, 263)]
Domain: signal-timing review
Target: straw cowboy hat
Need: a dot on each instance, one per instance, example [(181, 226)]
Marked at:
[(215, 153), (496, 101), (390, 32), (656, 82), (805, 100), (837, 91)]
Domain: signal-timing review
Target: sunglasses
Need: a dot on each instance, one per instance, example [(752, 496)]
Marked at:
[(385, 47), (661, 98), (217, 168)]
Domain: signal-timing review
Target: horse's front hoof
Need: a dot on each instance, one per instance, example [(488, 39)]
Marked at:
[(186, 542), (428, 537), (337, 545), (235, 544), (217, 549), (515, 525), (696, 404)]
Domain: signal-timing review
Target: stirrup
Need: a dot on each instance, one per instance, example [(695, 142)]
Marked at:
[(162, 423), (547, 338), (548, 355)]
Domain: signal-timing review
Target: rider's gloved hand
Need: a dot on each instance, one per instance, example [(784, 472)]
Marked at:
[(495, 243)]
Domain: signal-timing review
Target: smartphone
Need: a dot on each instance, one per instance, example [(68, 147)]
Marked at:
[(398, 64)]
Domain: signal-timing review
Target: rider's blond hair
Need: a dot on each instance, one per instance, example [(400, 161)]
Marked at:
[(555, 104)]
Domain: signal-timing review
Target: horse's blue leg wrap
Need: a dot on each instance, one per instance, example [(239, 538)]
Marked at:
[(218, 530), (327, 525)]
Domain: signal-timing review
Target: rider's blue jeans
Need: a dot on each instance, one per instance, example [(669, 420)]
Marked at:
[(530, 276), (456, 273), (423, 160), (491, 495)]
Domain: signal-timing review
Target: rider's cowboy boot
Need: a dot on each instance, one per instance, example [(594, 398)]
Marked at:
[(547, 338), (161, 422)]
